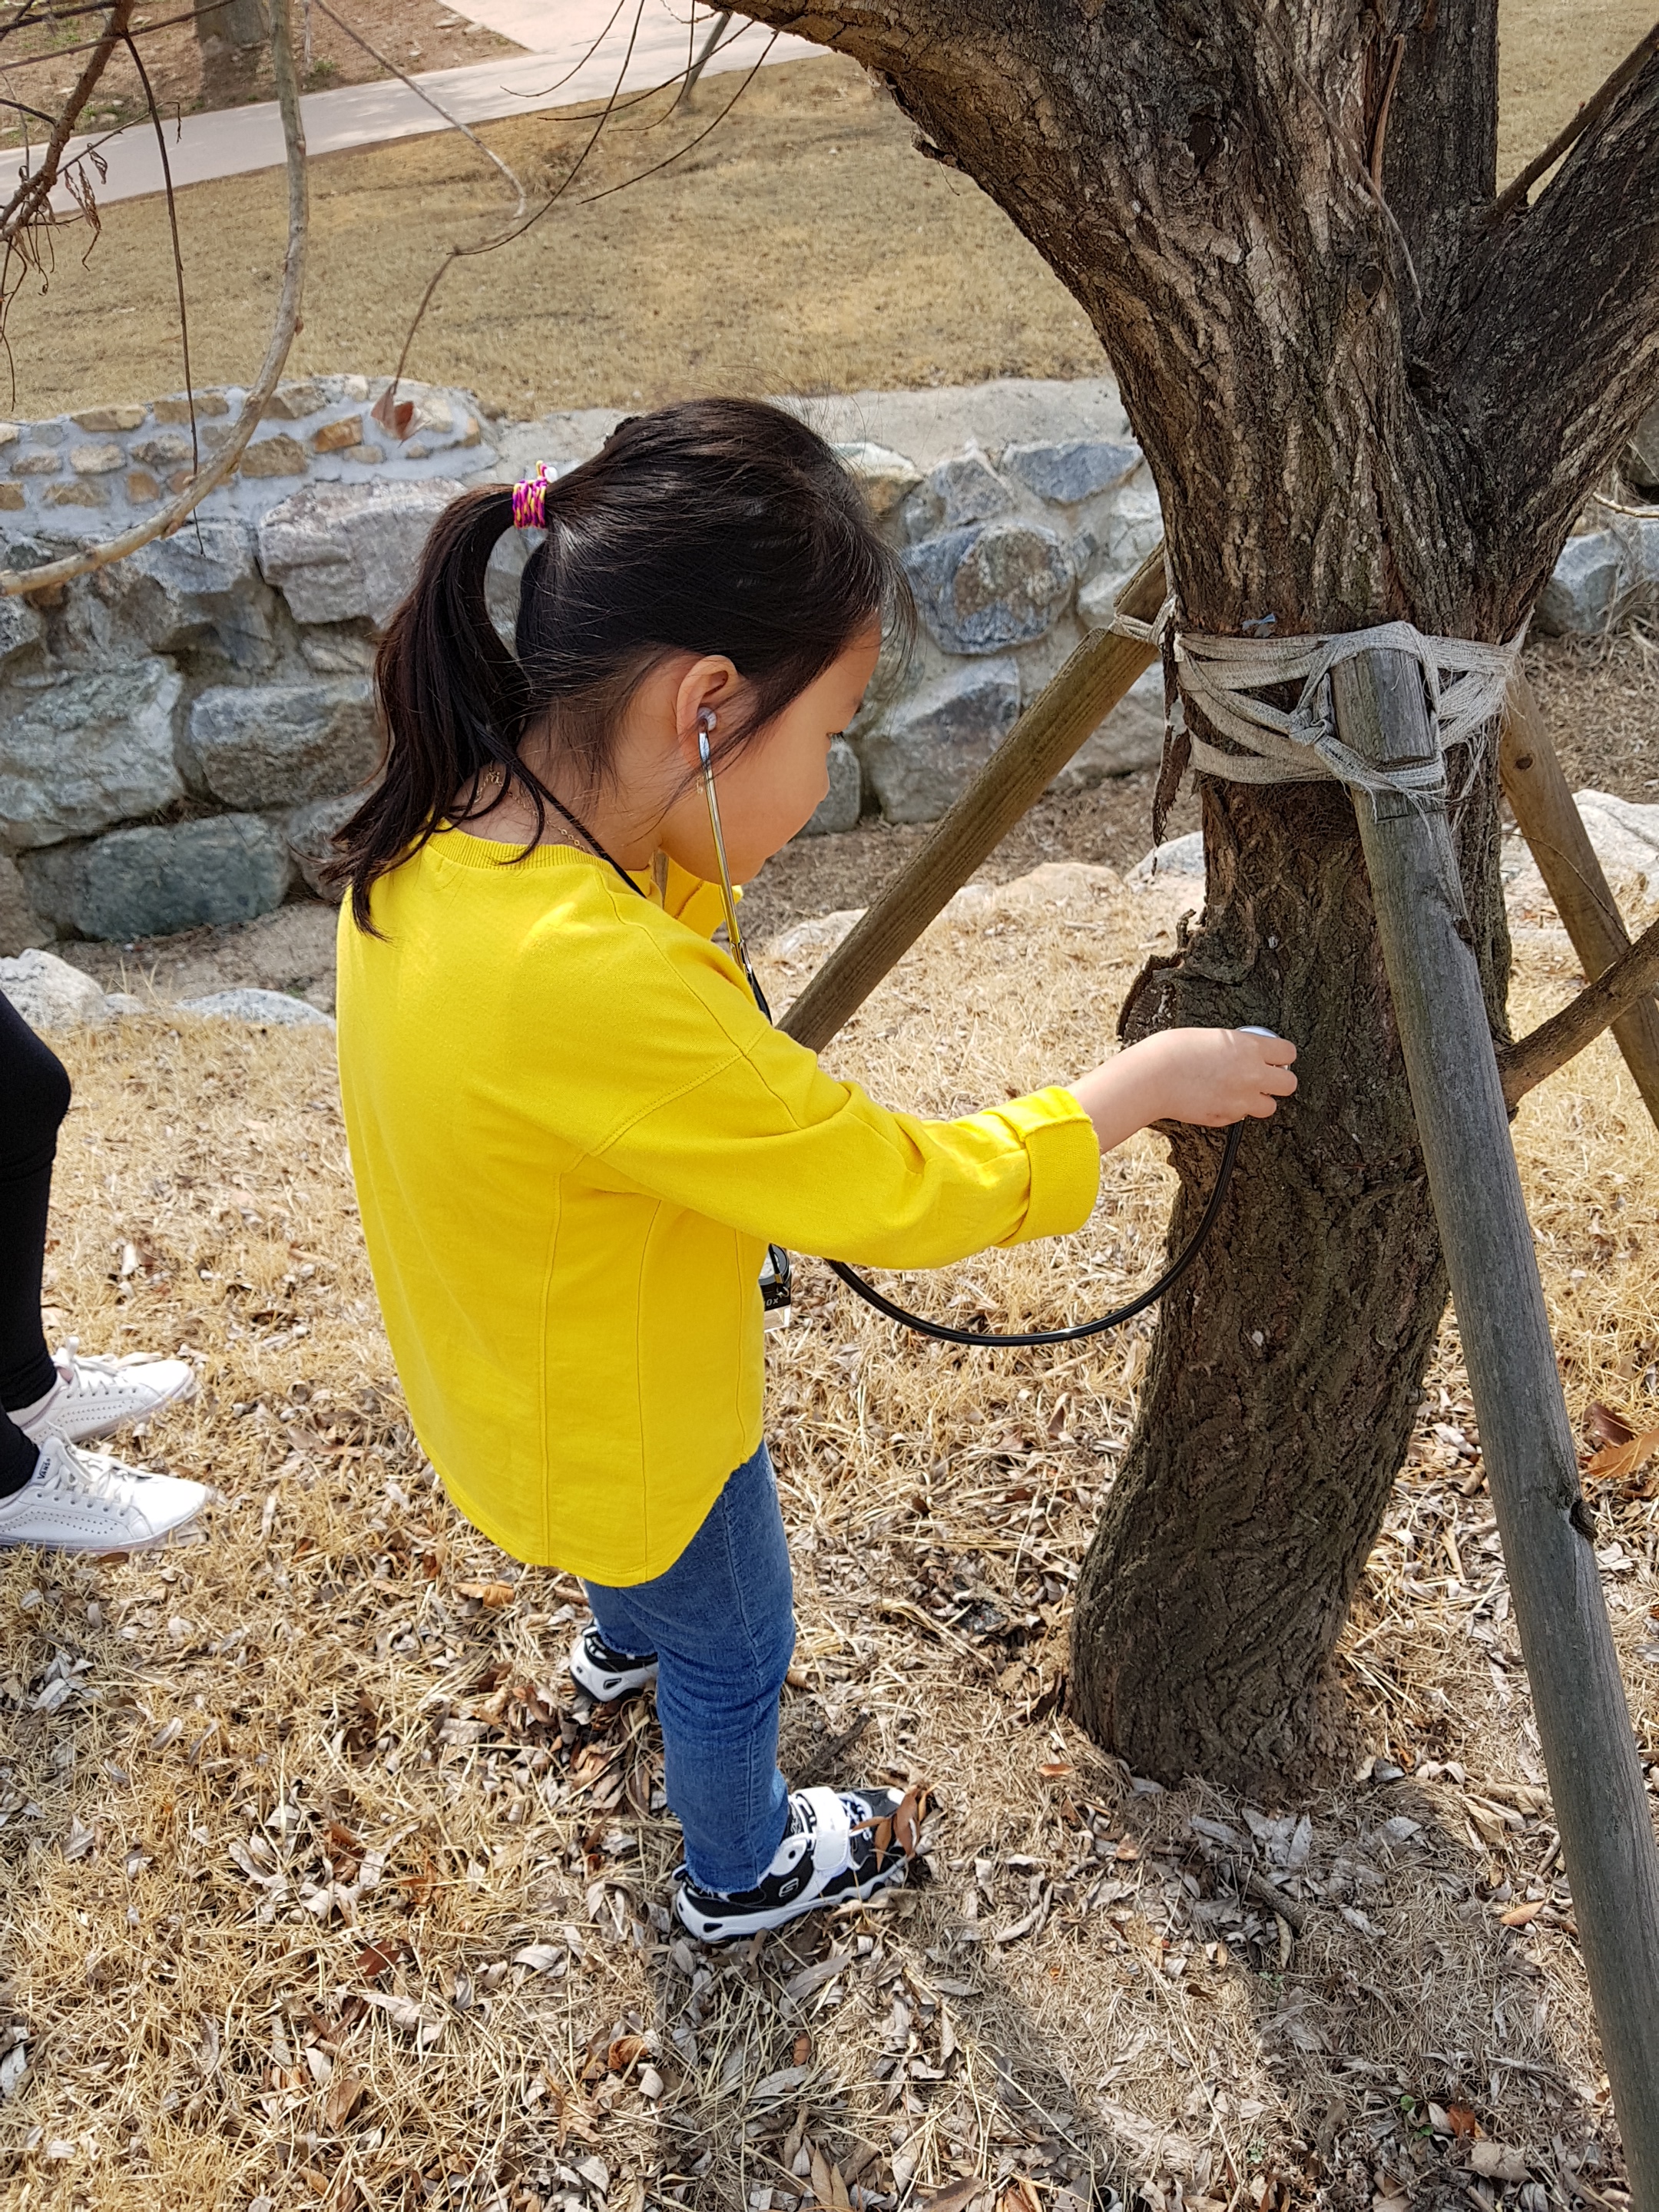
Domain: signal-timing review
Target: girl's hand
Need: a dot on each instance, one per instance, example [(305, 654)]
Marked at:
[(1211, 1077)]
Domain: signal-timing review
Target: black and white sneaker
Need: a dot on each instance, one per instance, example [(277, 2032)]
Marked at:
[(606, 1674), (840, 1844)]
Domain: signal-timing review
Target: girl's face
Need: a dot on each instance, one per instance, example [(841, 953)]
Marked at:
[(772, 787)]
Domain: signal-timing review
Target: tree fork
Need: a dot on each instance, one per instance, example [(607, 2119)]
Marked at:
[(1590, 1749)]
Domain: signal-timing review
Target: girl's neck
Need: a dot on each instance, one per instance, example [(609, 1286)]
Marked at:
[(597, 821)]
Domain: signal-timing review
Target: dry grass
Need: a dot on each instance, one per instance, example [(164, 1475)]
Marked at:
[(277, 1853)]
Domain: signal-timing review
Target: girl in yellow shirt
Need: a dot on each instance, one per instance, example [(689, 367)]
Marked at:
[(573, 1132)]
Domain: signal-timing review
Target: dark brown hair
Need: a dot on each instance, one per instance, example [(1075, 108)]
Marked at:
[(715, 526)]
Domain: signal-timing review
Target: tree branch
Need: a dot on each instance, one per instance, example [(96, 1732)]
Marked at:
[(1554, 351), (1514, 193), (168, 518), (1633, 975), (29, 204)]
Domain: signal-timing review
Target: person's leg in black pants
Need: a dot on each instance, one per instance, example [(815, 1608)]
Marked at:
[(34, 1096)]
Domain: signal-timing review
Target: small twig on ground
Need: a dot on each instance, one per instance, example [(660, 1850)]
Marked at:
[(824, 1764), (1269, 1893)]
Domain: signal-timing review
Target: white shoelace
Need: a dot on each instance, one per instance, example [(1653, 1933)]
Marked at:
[(85, 1476), (85, 1374)]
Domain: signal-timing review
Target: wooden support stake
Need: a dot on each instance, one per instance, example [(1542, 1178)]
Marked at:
[(1553, 827), (1052, 728), (1590, 1749)]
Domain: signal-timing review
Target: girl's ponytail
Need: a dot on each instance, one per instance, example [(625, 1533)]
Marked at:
[(715, 526), (453, 699)]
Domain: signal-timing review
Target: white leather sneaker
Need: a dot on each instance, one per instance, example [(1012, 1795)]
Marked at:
[(82, 1501), (92, 1396)]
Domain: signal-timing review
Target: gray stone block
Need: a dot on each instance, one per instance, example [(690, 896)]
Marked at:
[(309, 830), (148, 882), (995, 584), (964, 490), (886, 475), (20, 926), (262, 1009), (1180, 863), (20, 627), (924, 754), (49, 993), (1096, 600), (337, 551), (1074, 470), (839, 810), (278, 745), (1595, 576), (1130, 738), (200, 588), (78, 752), (1135, 526)]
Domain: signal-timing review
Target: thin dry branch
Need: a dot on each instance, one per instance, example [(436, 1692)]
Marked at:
[(1633, 975), (1514, 194), (29, 203), (167, 519), (524, 222), (437, 105)]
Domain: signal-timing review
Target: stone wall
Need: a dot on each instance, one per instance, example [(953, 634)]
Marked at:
[(177, 732), (180, 734)]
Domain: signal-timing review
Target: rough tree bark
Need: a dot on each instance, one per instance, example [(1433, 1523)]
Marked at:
[(1360, 400)]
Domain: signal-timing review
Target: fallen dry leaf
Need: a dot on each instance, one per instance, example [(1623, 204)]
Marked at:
[(1055, 1770), (1522, 1916), (345, 2087), (1464, 2122), (1617, 1462), (1604, 1426), (800, 2050), (1497, 2161), (624, 2053), (492, 1595), (960, 2196)]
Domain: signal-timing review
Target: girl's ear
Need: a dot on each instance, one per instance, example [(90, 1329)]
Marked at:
[(707, 690)]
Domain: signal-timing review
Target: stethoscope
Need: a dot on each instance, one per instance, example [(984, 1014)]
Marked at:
[(776, 1276)]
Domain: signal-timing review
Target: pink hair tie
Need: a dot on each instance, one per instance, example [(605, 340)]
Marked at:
[(530, 500)]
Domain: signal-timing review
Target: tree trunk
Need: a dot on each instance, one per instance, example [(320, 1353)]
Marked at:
[(1361, 400)]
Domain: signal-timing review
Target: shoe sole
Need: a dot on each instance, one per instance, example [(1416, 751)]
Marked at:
[(768, 1923), (96, 1551)]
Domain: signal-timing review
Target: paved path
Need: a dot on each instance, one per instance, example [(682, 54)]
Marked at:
[(559, 72)]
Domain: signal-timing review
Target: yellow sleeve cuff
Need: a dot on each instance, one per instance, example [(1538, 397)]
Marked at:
[(1064, 1152)]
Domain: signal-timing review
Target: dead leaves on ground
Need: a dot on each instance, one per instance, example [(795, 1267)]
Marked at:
[(1623, 1451)]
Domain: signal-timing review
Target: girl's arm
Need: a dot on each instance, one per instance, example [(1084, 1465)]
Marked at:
[(1212, 1077)]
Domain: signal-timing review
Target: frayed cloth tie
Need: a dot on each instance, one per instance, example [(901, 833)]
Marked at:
[(1464, 684)]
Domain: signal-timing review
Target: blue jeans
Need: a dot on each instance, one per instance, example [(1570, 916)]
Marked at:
[(721, 1621)]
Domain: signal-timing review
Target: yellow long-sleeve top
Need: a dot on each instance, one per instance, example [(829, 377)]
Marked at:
[(572, 1135)]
